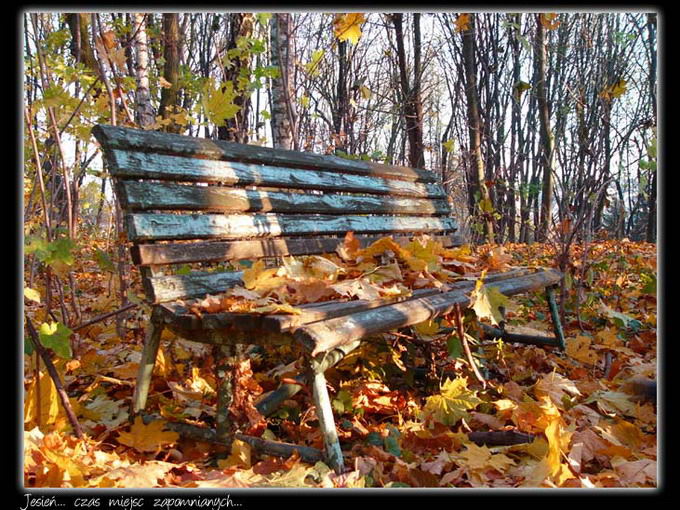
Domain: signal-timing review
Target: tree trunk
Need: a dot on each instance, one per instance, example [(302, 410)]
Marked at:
[(475, 131), (283, 106), (236, 128), (169, 96), (651, 41), (144, 115), (340, 112), (413, 109), (547, 143), (81, 49)]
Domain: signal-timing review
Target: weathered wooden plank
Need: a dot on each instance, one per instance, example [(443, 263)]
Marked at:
[(324, 335), (152, 226), (215, 251), (160, 289), (141, 165), (111, 137), (144, 196)]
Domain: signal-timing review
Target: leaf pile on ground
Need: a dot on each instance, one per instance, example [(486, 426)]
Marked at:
[(409, 411)]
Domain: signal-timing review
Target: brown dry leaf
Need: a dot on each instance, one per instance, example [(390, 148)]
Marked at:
[(591, 443), (496, 259), (246, 390), (636, 473), (310, 290), (557, 387), (360, 288)]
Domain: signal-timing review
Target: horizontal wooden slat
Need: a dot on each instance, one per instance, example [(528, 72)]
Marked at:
[(140, 165), (156, 195), (111, 137), (324, 335), (160, 289), (217, 251), (142, 227)]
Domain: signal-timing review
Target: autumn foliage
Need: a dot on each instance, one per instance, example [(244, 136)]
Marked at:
[(407, 405)]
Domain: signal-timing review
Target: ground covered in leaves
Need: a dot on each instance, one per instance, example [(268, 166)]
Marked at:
[(409, 409)]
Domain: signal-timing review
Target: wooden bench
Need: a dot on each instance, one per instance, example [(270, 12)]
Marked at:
[(190, 200)]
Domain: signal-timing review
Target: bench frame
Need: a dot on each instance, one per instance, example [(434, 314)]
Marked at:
[(244, 202)]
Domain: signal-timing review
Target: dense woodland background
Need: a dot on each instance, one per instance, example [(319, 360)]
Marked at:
[(542, 126), (530, 119)]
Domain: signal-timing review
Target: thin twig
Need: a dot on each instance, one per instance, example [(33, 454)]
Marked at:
[(461, 333), (105, 316), (55, 378)]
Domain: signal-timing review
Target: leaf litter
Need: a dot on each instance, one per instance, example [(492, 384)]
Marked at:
[(400, 427)]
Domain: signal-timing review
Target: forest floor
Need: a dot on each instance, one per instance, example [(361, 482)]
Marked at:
[(407, 409)]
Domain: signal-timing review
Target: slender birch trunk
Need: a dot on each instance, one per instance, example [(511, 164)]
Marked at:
[(283, 106), (144, 114)]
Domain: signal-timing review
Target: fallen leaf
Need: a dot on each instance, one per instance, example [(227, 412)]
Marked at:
[(147, 438)]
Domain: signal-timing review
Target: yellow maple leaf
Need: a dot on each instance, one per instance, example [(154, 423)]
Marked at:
[(481, 458), (348, 26), (260, 279), (609, 338), (615, 90), (49, 402), (240, 456), (218, 102), (579, 349), (427, 251), (453, 402), (147, 438), (486, 301)]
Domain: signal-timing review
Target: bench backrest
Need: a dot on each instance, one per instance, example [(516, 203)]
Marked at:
[(190, 200)]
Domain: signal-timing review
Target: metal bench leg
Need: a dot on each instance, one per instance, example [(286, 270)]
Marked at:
[(149, 353), (324, 412), (554, 313)]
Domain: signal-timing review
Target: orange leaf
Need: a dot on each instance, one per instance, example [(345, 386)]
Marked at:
[(109, 39), (349, 248), (548, 20), (462, 22), (147, 438)]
